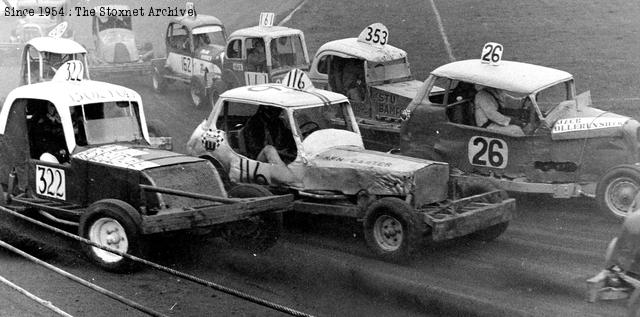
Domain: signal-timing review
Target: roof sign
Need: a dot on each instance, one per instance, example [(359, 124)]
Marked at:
[(375, 34), (58, 30), (297, 79), (491, 53), (70, 71), (266, 19)]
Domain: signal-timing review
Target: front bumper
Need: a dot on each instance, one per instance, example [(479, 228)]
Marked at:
[(467, 215)]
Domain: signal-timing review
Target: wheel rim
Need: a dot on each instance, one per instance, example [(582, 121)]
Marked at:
[(195, 96), (388, 233), (620, 194), (108, 232)]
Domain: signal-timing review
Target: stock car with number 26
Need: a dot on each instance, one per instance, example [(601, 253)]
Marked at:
[(565, 148), (403, 202), (80, 153)]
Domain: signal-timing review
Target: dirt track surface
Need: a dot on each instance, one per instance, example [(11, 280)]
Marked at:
[(538, 267)]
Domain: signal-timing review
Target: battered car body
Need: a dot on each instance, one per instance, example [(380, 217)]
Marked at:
[(568, 148), (193, 56), (386, 85), (48, 14), (115, 44), (402, 201), (285, 49), (80, 152)]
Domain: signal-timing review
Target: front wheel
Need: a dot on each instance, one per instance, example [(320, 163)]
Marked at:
[(257, 233), (390, 229), (115, 224), (617, 189)]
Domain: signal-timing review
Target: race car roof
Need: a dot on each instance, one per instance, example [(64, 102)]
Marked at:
[(263, 31), (351, 47), (283, 96), (70, 93), (195, 21), (508, 75), (56, 45)]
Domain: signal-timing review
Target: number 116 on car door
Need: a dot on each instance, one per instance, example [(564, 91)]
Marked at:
[(488, 152)]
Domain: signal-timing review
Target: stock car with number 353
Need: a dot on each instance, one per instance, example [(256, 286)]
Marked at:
[(375, 76), (564, 147), (402, 202), (79, 152)]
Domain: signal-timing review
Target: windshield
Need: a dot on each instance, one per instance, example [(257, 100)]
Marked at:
[(287, 52), (114, 22), (549, 98), (388, 71), (334, 116), (106, 122), (208, 35)]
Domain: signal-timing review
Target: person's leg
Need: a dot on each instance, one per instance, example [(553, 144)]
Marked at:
[(269, 154)]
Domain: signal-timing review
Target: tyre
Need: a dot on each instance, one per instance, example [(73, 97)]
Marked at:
[(212, 97), (157, 81), (493, 232), (617, 189), (257, 233), (116, 224), (390, 229)]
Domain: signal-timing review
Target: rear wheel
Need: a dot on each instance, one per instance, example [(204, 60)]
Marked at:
[(198, 93), (115, 224), (390, 229), (492, 232), (257, 233), (617, 189)]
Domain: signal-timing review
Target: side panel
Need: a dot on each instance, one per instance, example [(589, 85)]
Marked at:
[(15, 145)]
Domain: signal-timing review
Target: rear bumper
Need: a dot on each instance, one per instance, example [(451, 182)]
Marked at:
[(180, 219), (468, 215)]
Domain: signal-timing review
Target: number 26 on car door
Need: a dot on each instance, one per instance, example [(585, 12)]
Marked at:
[(488, 152)]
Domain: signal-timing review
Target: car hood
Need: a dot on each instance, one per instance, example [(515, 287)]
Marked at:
[(133, 158), (406, 89), (351, 169), (588, 122)]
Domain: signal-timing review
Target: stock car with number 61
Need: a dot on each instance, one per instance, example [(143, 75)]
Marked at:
[(80, 153), (565, 148)]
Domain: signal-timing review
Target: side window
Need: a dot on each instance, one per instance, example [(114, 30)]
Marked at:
[(323, 65), (439, 91), (46, 136), (179, 38), (234, 49)]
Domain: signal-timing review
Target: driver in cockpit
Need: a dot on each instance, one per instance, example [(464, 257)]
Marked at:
[(268, 138)]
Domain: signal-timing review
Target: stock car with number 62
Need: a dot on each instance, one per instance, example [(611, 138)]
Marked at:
[(565, 147), (79, 152), (402, 201)]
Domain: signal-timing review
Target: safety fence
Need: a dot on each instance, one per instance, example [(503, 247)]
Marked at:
[(215, 286)]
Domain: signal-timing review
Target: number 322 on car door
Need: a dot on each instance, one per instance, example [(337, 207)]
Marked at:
[(50, 181), (488, 152)]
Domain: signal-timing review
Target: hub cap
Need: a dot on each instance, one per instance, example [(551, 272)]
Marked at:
[(620, 194), (108, 232), (388, 233)]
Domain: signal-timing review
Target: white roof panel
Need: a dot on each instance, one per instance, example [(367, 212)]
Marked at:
[(508, 75), (283, 96), (351, 47)]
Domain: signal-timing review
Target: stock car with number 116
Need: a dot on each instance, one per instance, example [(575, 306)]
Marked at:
[(79, 152), (403, 202), (563, 146)]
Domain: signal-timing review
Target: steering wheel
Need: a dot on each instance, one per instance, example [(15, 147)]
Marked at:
[(308, 128)]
